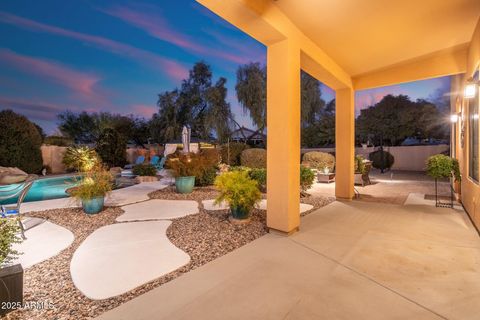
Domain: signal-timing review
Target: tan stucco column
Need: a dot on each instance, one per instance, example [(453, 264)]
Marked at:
[(344, 143), (283, 136)]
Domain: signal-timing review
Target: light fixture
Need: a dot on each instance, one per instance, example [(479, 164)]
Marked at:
[(471, 88), (453, 118)]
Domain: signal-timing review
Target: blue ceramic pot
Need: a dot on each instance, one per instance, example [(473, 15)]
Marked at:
[(184, 184), (93, 206), (240, 213)]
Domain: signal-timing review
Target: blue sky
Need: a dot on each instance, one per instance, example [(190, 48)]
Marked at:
[(118, 56)]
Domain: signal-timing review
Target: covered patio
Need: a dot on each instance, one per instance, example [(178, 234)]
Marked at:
[(348, 46), (356, 260)]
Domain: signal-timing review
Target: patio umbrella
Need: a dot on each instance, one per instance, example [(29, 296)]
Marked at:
[(186, 139)]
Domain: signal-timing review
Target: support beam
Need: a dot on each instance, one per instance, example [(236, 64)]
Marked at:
[(283, 138), (344, 144), (446, 62)]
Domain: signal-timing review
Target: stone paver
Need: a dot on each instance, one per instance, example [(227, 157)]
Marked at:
[(117, 258), (262, 205), (355, 260), (119, 197), (157, 209), (210, 206), (43, 242)]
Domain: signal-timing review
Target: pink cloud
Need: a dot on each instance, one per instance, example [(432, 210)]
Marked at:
[(367, 98), (172, 68), (79, 82), (33, 108), (144, 110), (155, 25)]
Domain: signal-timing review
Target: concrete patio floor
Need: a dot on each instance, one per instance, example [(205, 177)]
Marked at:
[(390, 187), (355, 260)]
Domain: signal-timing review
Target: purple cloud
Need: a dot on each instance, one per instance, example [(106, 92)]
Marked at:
[(80, 83), (33, 109), (172, 68)]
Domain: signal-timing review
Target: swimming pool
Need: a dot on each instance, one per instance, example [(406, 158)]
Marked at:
[(45, 189)]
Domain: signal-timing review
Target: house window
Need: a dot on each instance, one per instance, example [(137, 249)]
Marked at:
[(473, 106)]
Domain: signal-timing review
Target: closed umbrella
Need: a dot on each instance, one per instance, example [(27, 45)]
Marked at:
[(186, 139)]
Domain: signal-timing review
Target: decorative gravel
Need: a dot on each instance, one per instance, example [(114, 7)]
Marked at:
[(198, 194), (204, 236)]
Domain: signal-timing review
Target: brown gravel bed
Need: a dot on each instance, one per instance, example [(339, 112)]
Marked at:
[(204, 236), (198, 194)]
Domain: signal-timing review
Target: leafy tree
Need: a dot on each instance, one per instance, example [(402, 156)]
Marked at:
[(86, 127), (20, 143), (321, 132), (317, 118), (111, 148), (198, 103), (312, 102), (394, 118), (251, 90)]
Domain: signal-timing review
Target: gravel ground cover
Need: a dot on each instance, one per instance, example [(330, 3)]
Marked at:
[(204, 236)]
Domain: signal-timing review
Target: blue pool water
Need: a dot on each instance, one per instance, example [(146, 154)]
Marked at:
[(45, 189)]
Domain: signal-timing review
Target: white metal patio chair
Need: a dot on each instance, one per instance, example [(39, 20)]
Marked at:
[(19, 190)]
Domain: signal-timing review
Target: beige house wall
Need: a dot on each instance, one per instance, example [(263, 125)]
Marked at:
[(52, 157), (408, 158)]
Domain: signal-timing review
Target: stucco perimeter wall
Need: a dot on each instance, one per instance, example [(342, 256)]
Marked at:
[(411, 158), (52, 157)]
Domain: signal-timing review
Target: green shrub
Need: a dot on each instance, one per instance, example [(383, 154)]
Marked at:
[(307, 176), (319, 160), (20, 143), (58, 141), (254, 158), (442, 166), (144, 170), (238, 190), (230, 153), (205, 176), (9, 230), (112, 148), (359, 164), (259, 175), (95, 183), (377, 162), (80, 158), (211, 155), (196, 165)]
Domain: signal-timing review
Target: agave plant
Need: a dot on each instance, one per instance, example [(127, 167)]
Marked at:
[(80, 158)]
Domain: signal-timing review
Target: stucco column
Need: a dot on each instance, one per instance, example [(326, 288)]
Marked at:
[(344, 144), (283, 136)]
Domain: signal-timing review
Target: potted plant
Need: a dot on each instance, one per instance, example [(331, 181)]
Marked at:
[(93, 188), (184, 169), (239, 191), (11, 276), (145, 172), (441, 166)]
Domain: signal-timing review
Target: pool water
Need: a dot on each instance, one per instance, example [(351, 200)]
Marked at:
[(45, 189)]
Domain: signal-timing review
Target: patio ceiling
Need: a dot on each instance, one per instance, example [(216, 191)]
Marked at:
[(363, 36)]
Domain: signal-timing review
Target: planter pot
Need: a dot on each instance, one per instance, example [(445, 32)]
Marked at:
[(93, 206), (11, 290), (240, 213), (184, 184)]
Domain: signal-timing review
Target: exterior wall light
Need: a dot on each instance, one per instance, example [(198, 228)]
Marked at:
[(471, 88), (454, 118)]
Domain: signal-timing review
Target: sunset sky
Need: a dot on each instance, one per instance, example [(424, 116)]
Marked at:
[(118, 56)]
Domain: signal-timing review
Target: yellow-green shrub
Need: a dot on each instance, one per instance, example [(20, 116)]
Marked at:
[(319, 160), (254, 158)]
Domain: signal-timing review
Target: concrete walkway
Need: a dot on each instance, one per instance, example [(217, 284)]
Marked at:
[(118, 197), (355, 260), (119, 257), (43, 242)]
